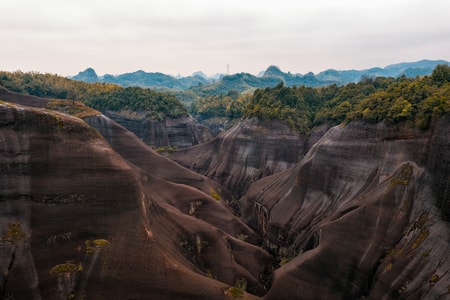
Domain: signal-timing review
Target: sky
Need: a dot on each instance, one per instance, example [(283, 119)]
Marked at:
[(184, 36)]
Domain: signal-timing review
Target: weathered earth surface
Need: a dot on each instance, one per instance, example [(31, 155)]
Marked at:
[(364, 215), (80, 221), (250, 150), (219, 124), (182, 132), (89, 211)]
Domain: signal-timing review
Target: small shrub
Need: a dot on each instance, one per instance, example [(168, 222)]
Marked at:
[(404, 176), (433, 279), (166, 149), (14, 233), (389, 266), (215, 195), (424, 233), (68, 267), (101, 243), (91, 246), (242, 237), (236, 293), (284, 261)]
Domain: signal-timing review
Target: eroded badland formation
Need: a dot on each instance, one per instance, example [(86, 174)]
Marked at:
[(90, 211)]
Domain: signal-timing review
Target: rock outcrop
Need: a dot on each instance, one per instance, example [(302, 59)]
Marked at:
[(363, 215), (90, 211), (79, 221), (182, 132), (250, 150)]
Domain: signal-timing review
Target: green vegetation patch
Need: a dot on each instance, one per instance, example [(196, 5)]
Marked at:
[(165, 149), (433, 280), (236, 293), (416, 101), (99, 96), (74, 108), (67, 268), (231, 106), (14, 233), (215, 195), (292, 105), (421, 237), (99, 244), (420, 222), (404, 176)]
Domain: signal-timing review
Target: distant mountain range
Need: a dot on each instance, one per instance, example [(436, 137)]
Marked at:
[(201, 84)]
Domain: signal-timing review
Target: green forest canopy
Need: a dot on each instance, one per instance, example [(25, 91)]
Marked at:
[(100, 96), (415, 101)]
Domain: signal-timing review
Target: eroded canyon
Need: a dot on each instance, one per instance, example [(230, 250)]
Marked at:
[(90, 211)]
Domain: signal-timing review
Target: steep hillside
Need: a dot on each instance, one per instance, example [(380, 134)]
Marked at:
[(73, 210), (250, 150), (180, 132), (157, 118), (364, 214)]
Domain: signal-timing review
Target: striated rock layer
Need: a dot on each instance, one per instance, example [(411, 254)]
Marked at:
[(363, 215), (96, 214), (250, 150), (182, 132), (79, 221)]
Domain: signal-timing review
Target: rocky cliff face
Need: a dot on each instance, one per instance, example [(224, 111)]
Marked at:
[(89, 211), (181, 133), (363, 215), (250, 150), (79, 221)]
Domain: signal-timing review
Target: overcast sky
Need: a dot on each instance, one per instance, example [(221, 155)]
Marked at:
[(184, 36)]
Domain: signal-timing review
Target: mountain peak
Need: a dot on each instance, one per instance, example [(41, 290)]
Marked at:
[(273, 70), (201, 74), (88, 75)]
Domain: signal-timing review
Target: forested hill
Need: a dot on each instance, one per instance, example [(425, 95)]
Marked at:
[(203, 85), (416, 101), (101, 96)]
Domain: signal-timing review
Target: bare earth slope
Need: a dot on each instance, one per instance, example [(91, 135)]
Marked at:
[(180, 132), (79, 221), (96, 214), (250, 150), (362, 215)]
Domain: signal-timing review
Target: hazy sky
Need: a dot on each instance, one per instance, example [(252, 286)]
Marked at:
[(184, 36)]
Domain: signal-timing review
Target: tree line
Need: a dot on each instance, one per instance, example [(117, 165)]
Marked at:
[(417, 101), (100, 96)]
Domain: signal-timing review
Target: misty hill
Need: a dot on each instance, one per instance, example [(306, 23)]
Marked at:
[(245, 82), (144, 79)]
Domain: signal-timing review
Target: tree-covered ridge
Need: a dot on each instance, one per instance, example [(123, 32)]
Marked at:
[(99, 96), (416, 101), (294, 105), (229, 106)]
